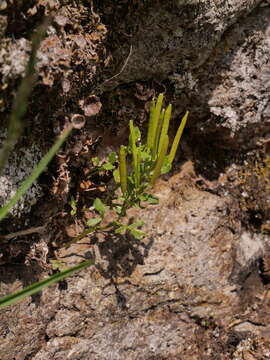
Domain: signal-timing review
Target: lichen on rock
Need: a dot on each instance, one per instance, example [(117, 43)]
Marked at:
[(20, 165)]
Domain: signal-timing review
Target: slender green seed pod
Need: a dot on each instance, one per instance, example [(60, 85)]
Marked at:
[(123, 169), (138, 169), (165, 126), (150, 127), (159, 127), (156, 117), (160, 160), (133, 145), (177, 138)]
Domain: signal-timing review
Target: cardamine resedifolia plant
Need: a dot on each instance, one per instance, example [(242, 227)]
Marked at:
[(136, 168)]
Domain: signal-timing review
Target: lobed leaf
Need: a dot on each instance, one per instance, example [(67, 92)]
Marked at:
[(95, 221), (99, 206)]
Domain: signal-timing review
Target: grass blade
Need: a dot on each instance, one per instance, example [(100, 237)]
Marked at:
[(36, 287), (16, 123), (177, 138), (35, 174)]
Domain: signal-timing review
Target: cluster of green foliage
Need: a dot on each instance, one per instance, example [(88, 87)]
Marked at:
[(135, 170)]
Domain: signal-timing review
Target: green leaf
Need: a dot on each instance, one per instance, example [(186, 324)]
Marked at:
[(95, 161), (73, 205), (108, 166), (116, 175), (136, 224), (99, 206), (153, 200), (145, 153), (137, 133), (36, 287), (93, 222), (166, 166), (113, 157), (57, 265), (118, 209), (121, 229), (138, 234)]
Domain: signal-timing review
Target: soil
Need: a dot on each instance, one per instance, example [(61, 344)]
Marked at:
[(197, 286)]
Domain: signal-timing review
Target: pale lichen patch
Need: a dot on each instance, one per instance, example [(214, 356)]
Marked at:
[(20, 165)]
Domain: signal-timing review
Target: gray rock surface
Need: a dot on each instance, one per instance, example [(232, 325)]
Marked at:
[(20, 165), (216, 55), (160, 298)]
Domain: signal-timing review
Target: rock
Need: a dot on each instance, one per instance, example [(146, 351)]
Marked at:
[(193, 288), (215, 54), (147, 298)]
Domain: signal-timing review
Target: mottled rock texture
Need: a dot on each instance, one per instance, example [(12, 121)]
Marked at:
[(215, 54), (173, 295)]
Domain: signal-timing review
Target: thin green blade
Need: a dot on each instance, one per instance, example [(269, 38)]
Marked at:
[(35, 174), (36, 287)]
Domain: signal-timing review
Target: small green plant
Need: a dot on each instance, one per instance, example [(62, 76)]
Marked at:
[(73, 205), (135, 169)]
